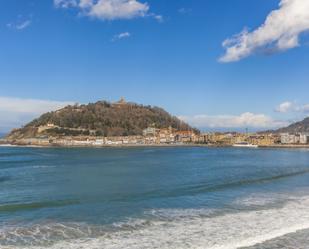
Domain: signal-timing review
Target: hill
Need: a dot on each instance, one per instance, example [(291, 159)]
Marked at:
[(101, 119), (302, 126)]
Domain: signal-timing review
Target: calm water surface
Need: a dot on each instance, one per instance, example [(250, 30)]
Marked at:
[(153, 198)]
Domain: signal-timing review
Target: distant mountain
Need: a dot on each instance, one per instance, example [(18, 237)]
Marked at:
[(101, 118), (302, 126)]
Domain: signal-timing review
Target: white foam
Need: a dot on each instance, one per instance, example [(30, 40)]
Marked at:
[(260, 200), (43, 166), (229, 231)]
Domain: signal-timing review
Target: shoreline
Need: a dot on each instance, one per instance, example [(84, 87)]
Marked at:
[(5, 143)]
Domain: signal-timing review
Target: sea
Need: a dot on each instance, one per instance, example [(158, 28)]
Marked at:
[(167, 198)]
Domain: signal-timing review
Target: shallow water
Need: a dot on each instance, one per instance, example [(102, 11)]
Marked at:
[(153, 198)]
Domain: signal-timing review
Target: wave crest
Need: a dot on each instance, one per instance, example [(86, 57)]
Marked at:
[(190, 229)]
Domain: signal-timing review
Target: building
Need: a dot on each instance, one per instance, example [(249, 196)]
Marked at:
[(287, 138), (121, 102), (185, 136), (48, 126), (203, 138), (150, 131), (263, 139), (166, 135), (297, 138), (304, 138)]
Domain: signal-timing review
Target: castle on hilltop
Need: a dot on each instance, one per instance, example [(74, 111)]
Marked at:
[(121, 102)]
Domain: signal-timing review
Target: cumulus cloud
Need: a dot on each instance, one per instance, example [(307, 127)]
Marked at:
[(15, 112), (248, 119), (121, 36), (289, 106), (285, 107), (107, 9), (280, 31)]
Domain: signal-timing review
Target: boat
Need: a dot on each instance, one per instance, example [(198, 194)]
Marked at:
[(245, 145)]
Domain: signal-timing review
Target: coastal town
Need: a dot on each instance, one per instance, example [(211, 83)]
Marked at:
[(167, 136), (124, 123)]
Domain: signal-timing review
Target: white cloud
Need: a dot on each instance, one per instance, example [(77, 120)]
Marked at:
[(184, 10), (20, 25), (107, 9), (159, 18), (285, 107), (121, 36), (15, 112), (66, 3), (279, 32), (288, 106), (248, 119), (305, 108)]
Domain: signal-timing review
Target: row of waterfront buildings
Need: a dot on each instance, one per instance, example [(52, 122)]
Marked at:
[(260, 139), (151, 136), (155, 136)]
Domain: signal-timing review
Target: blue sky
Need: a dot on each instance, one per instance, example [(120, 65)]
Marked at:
[(217, 64)]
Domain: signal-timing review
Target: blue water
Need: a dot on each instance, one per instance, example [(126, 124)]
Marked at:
[(178, 197)]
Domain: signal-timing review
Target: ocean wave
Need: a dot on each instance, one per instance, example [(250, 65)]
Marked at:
[(195, 189), (43, 166), (14, 207), (262, 200), (174, 214), (191, 229), (45, 235)]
